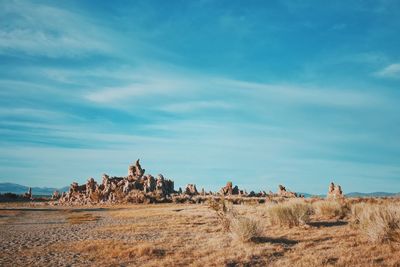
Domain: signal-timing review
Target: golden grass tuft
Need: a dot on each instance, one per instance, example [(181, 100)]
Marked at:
[(116, 249), (379, 223), (355, 213), (245, 229), (330, 209), (242, 228), (290, 213)]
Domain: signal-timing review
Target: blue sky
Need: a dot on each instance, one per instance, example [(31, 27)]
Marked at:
[(262, 93)]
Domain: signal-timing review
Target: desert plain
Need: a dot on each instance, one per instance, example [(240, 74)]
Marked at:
[(278, 232)]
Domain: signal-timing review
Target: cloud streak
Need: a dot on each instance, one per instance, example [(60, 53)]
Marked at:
[(392, 71), (37, 29)]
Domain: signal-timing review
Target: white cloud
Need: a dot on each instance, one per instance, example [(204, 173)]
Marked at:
[(37, 29), (391, 71), (179, 91), (142, 87), (196, 105)]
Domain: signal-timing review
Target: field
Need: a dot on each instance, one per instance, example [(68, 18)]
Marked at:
[(276, 233)]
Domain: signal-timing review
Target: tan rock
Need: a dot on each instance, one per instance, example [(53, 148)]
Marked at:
[(335, 191), (135, 170), (191, 190), (228, 189), (56, 195), (285, 193), (28, 195)]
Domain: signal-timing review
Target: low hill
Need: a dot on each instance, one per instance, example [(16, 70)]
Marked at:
[(373, 194), (21, 189)]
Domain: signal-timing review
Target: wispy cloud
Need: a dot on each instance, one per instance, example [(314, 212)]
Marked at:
[(142, 87), (392, 71), (45, 30), (212, 90), (195, 106), (306, 95)]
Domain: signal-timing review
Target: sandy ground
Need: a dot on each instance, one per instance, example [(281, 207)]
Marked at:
[(173, 235)]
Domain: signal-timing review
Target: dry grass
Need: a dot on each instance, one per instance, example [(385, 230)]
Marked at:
[(243, 229), (330, 209), (9, 216), (355, 215), (137, 211), (290, 213), (116, 249), (379, 223), (246, 229), (225, 212), (77, 218)]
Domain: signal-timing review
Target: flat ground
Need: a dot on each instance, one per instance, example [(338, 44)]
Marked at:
[(174, 235)]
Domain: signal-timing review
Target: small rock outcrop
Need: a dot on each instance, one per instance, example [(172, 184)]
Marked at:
[(335, 191), (191, 190), (229, 190), (56, 195), (135, 170), (28, 195), (282, 192)]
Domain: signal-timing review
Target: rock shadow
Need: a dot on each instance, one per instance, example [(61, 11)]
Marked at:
[(327, 224), (279, 240)]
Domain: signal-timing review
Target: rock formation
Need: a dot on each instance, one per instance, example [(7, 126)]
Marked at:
[(56, 195), (191, 190), (282, 192), (28, 195), (335, 191), (135, 170), (136, 187), (228, 190)]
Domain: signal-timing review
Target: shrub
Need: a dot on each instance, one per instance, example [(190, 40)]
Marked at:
[(224, 212), (245, 229), (356, 210), (330, 209), (379, 223), (291, 213)]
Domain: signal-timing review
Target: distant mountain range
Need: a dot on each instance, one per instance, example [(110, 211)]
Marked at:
[(358, 194), (373, 194), (21, 189)]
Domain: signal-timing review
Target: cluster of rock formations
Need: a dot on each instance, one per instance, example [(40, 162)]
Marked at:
[(334, 191), (230, 190), (137, 187)]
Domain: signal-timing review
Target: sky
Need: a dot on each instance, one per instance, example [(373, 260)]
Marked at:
[(260, 93)]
